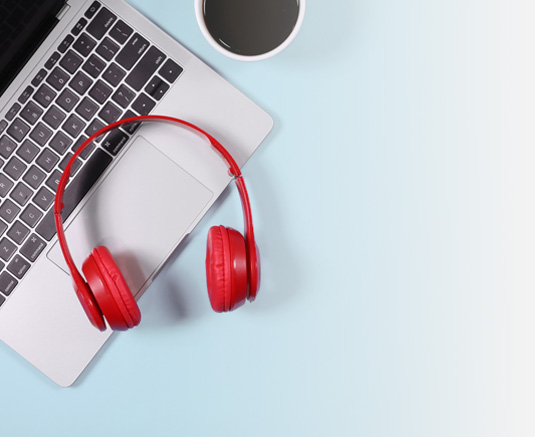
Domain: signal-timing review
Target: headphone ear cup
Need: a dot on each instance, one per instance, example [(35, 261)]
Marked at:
[(111, 290), (90, 306), (226, 268), (238, 261)]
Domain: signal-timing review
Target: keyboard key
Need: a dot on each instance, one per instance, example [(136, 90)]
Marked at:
[(31, 113), (53, 181), (115, 141), (41, 134), (114, 74), (3, 125), (121, 31), (71, 61), (57, 78), (76, 190), (123, 96), (47, 160), (7, 146), (145, 68), (143, 104), (60, 143), (87, 108), (9, 211), (12, 111), (44, 198), (67, 100), (27, 151), (170, 71), (18, 266), (156, 88), (78, 27), (80, 83), (18, 129), (84, 44), (87, 150), (132, 127), (45, 95), (26, 94), (14, 168), (107, 49), (93, 127), (65, 44), (132, 51), (101, 23), (74, 167), (3, 228), (31, 215), (54, 116), (2, 299), (7, 283), (33, 247), (5, 185), (94, 66), (52, 60), (34, 176), (18, 232), (39, 77), (74, 126), (110, 113), (21, 194), (100, 91), (92, 9), (7, 249)]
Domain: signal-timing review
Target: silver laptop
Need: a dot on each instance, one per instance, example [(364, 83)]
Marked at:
[(140, 190)]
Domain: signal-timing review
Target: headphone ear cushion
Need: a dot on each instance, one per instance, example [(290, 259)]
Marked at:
[(111, 290), (226, 268), (218, 268)]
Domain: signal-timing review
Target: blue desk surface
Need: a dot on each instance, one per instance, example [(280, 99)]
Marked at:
[(393, 204)]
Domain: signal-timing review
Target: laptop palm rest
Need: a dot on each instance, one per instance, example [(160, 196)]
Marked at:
[(133, 213)]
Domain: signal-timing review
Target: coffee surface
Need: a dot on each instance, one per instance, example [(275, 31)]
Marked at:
[(250, 27)]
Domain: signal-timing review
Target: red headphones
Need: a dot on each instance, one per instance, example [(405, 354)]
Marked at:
[(232, 261)]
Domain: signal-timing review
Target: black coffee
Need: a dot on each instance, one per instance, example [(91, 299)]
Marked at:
[(250, 27)]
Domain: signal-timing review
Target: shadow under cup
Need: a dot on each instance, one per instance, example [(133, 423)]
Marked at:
[(251, 28)]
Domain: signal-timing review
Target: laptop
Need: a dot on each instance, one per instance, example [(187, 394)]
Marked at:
[(67, 68)]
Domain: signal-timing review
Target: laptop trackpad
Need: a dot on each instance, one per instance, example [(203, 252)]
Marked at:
[(141, 211)]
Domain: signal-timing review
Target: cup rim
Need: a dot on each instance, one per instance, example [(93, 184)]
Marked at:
[(202, 25)]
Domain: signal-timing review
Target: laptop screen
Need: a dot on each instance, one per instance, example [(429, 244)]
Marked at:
[(23, 26)]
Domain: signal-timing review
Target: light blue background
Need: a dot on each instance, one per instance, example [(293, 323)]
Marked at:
[(393, 203)]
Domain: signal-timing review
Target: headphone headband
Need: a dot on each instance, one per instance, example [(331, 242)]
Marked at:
[(223, 152)]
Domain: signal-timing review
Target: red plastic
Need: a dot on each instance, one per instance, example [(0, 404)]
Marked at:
[(92, 304), (253, 255), (239, 270)]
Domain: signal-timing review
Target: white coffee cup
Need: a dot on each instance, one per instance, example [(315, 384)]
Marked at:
[(199, 13)]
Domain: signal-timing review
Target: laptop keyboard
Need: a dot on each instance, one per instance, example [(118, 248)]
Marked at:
[(101, 72)]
